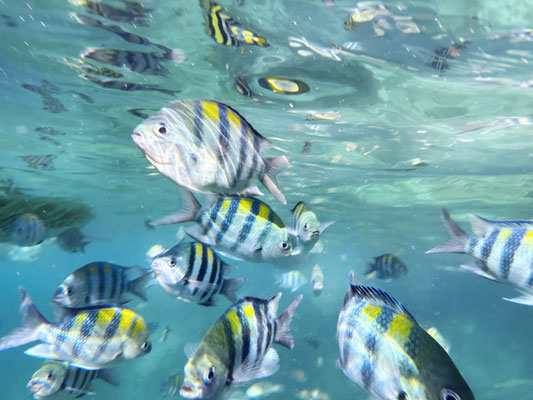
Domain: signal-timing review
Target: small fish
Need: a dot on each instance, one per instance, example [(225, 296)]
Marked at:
[(263, 389), (503, 249), (225, 30), (283, 85), (241, 85), (92, 69), (435, 334), (92, 339), (365, 12), (26, 230), (385, 351), (386, 266), (56, 378), (171, 387), (164, 334), (317, 279), (135, 13), (247, 330), (72, 240), (441, 55), (44, 162), (207, 146), (126, 86), (133, 61), (243, 227), (194, 272), (292, 280), (306, 148), (305, 224), (50, 103), (98, 284)]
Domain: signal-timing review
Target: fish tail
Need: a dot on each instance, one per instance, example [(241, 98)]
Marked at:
[(457, 240), (136, 286), (273, 166), (284, 335), (261, 41), (32, 320), (187, 213), (231, 286), (108, 376)]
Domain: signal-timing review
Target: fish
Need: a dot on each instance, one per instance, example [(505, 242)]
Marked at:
[(133, 61), (263, 389), (26, 230), (226, 31), (92, 69), (98, 284), (238, 347), (386, 352), (442, 54), (44, 162), (164, 334), (126, 86), (244, 228), (241, 85), (317, 279), (208, 147), (503, 251), (135, 13), (72, 240), (306, 148), (281, 85), (56, 378), (305, 223), (435, 334), (192, 271), (92, 339), (50, 103), (386, 266), (171, 387), (365, 12), (292, 280)]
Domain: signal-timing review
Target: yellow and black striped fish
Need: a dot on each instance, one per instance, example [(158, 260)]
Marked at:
[(92, 339), (194, 272), (283, 85), (386, 266), (237, 348), (243, 227), (241, 85), (386, 352), (225, 30)]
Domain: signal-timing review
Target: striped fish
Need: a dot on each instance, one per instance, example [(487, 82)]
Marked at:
[(207, 146), (241, 85), (92, 339), (133, 61), (194, 272), (386, 266), (225, 30), (57, 378), (385, 351), (135, 13), (292, 280), (237, 348), (26, 230), (99, 284), (503, 249), (242, 227), (305, 223)]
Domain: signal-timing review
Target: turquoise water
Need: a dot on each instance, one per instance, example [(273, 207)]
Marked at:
[(409, 140)]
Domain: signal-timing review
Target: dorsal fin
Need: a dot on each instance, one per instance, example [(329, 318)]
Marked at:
[(380, 296)]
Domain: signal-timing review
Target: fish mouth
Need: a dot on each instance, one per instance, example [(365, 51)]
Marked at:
[(189, 392)]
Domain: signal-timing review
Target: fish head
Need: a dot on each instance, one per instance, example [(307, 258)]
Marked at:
[(72, 293), (137, 341), (170, 266), (48, 379), (277, 246), (205, 376)]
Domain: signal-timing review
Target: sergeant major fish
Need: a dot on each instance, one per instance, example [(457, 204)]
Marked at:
[(56, 378), (385, 351), (386, 266), (92, 339), (98, 284), (237, 348), (206, 146), (26, 230), (194, 272), (317, 279), (504, 251), (305, 223), (225, 30), (292, 280), (242, 227), (72, 240)]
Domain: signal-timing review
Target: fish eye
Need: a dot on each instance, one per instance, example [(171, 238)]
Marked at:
[(209, 375), (50, 376), (284, 245), (172, 262), (162, 129), (146, 346), (306, 227), (447, 394), (68, 290)]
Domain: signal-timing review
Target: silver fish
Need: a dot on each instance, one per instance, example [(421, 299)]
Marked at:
[(26, 230)]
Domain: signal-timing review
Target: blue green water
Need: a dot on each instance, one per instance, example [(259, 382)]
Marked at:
[(409, 140)]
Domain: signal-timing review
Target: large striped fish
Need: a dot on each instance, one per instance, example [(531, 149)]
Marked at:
[(194, 272), (99, 284), (206, 146), (243, 227), (92, 339), (237, 348), (385, 351), (58, 379), (26, 230), (225, 30), (504, 251)]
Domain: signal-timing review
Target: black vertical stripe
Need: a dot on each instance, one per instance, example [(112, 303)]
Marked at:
[(228, 334), (192, 260), (228, 220), (114, 280), (74, 383), (269, 333), (260, 327), (245, 327), (197, 123), (101, 281), (85, 380), (242, 154), (215, 268), (224, 138), (203, 269), (89, 280), (213, 215)]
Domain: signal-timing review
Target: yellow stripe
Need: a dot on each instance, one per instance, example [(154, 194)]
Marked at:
[(104, 316), (140, 326), (249, 312), (504, 234), (198, 252), (210, 257), (224, 206), (245, 205), (264, 211), (372, 311), (235, 324), (234, 119), (214, 21), (126, 319), (107, 268), (528, 237), (210, 110), (79, 319), (400, 328), (93, 269)]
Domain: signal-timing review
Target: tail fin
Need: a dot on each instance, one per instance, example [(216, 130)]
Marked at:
[(187, 213), (136, 286), (108, 375), (457, 240), (273, 166), (231, 286), (284, 335), (32, 320)]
